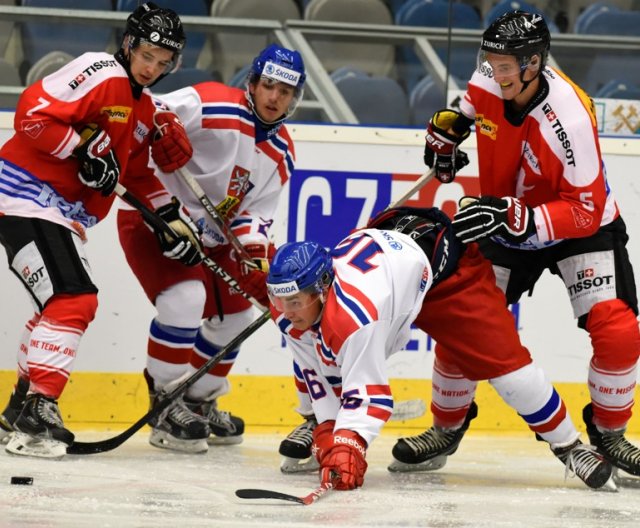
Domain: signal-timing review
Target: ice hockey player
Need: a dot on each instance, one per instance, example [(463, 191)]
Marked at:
[(343, 313), (78, 132), (546, 205), (242, 157)]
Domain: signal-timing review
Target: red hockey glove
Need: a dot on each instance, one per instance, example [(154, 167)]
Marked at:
[(170, 148), (441, 147), (507, 217), (322, 439), (99, 167), (261, 255), (254, 281), (344, 461)]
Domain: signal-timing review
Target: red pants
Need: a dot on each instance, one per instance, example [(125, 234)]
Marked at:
[(467, 316)]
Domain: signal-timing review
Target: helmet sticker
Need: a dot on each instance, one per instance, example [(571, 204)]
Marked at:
[(281, 74)]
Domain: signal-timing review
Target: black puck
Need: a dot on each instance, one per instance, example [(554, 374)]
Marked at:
[(24, 481)]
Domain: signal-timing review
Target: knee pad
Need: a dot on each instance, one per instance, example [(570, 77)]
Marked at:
[(76, 311), (221, 332), (182, 304), (615, 336)]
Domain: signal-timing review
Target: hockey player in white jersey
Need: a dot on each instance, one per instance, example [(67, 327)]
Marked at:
[(345, 312), (242, 157)]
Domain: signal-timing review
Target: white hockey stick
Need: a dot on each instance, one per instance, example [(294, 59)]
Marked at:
[(419, 184), (408, 410)]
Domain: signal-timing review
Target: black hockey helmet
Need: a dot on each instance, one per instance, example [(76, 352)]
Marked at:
[(157, 26), (431, 229), (520, 34)]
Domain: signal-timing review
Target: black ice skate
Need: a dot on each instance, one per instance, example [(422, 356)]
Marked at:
[(226, 429), (613, 445), (429, 450), (587, 464), (180, 429), (296, 448), (39, 430), (13, 409)]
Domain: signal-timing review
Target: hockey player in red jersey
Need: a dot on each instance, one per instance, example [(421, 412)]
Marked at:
[(345, 312), (242, 157), (78, 132), (546, 204)]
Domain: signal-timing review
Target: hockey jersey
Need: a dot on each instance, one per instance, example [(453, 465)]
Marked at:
[(381, 278), (240, 164), (551, 160), (38, 175)]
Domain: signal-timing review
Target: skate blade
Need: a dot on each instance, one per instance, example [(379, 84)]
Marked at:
[(624, 479), (432, 464), (609, 486), (164, 440), (214, 440), (25, 445), (297, 465)]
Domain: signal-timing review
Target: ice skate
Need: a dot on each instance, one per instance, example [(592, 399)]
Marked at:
[(613, 445), (180, 429), (587, 464), (39, 430), (13, 409), (226, 429), (429, 450), (296, 449)]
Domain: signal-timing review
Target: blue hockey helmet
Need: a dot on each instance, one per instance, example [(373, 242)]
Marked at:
[(278, 64), (299, 267)]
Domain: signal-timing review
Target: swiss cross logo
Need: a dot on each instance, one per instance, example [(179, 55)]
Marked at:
[(586, 273), (551, 116), (25, 272)]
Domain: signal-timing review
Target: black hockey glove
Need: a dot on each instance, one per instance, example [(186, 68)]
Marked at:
[(99, 167), (507, 217), (441, 146), (186, 246)]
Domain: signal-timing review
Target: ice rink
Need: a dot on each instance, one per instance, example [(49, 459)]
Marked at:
[(492, 481)]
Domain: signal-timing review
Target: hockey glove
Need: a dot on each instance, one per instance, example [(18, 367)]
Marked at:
[(322, 439), (170, 148), (254, 281), (344, 464), (441, 146), (507, 217), (99, 167), (185, 246)]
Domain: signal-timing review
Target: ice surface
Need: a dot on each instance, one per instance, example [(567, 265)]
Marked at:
[(492, 481)]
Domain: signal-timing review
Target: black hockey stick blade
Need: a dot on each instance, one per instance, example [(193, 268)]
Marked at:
[(270, 494), (166, 399)]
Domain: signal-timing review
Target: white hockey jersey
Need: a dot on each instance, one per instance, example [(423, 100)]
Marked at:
[(240, 164), (381, 278)]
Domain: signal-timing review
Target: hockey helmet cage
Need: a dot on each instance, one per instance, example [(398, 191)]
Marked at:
[(299, 267), (158, 26)]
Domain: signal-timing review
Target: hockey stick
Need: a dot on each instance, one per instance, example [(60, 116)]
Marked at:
[(307, 500), (164, 399), (213, 213), (218, 221), (158, 223), (407, 410), (419, 184)]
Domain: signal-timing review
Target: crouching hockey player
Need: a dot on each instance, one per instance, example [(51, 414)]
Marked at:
[(343, 313)]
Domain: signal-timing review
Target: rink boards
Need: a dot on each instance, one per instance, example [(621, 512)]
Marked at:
[(343, 175)]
